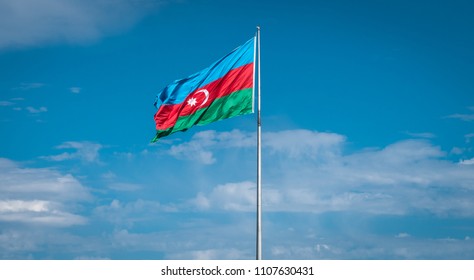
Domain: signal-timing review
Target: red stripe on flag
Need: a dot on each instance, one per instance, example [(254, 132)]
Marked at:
[(236, 79)]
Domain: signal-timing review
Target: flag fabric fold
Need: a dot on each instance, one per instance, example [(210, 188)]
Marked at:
[(222, 90)]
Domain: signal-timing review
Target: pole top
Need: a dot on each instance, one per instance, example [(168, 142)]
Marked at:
[(258, 27)]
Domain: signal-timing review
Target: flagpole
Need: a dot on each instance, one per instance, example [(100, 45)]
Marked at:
[(259, 155)]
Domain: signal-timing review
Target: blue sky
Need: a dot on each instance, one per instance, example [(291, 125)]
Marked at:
[(367, 111)]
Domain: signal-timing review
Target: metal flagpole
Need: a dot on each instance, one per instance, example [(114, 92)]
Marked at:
[(259, 155)]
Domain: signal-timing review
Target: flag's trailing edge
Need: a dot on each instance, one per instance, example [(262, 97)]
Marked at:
[(223, 90)]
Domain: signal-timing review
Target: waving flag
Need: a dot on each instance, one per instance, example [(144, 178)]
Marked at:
[(221, 91)]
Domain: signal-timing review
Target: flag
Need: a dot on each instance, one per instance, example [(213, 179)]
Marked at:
[(222, 90)]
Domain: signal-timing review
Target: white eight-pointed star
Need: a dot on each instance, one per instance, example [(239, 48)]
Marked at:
[(192, 101)]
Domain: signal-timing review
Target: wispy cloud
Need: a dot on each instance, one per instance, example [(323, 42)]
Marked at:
[(306, 184), (463, 117), (401, 246), (427, 135), (178, 245), (303, 143), (406, 176), (85, 151), (311, 144), (39, 196), (196, 149), (37, 212), (26, 23), (6, 103), (34, 110), (128, 213), (125, 187), (467, 161), (75, 90), (27, 86), (468, 137), (232, 196), (457, 151), (211, 254), (37, 208)]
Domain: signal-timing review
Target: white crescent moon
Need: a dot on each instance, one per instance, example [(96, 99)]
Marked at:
[(207, 96)]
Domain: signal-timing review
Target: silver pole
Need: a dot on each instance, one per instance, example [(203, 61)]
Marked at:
[(259, 156)]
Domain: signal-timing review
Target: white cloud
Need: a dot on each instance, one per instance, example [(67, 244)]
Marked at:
[(126, 187), (239, 196), (346, 237), (315, 175), (39, 196), (201, 201), (14, 243), (23, 86), (427, 135), (304, 143), (211, 254), (232, 196), (463, 117), (85, 151), (126, 214), (402, 235), (305, 183), (60, 157), (20, 205), (6, 103), (408, 151), (371, 247), (33, 110), (124, 155), (192, 240), (25, 23), (457, 151), (467, 161), (38, 212), (235, 138), (109, 175), (195, 150), (242, 197), (40, 242), (468, 137), (75, 90), (201, 146), (38, 183)]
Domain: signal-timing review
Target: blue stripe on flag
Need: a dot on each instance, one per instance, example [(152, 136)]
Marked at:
[(177, 91)]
